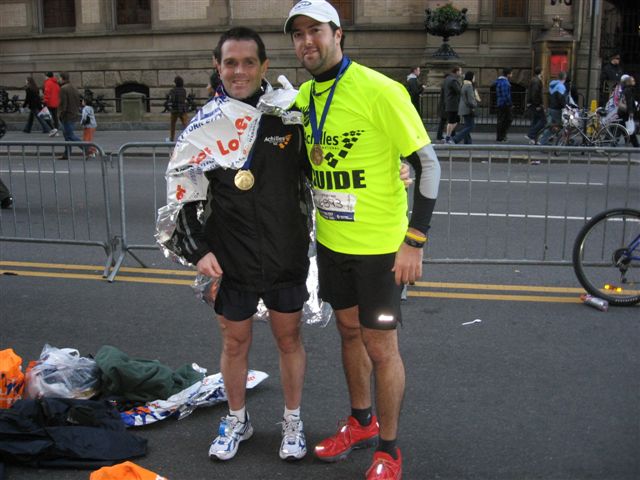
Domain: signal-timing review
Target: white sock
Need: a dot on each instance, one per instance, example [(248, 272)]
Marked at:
[(240, 414), (291, 413)]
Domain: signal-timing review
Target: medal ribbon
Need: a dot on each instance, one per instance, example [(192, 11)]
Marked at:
[(316, 130)]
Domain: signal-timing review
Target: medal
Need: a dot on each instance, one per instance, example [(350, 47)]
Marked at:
[(244, 179), (317, 155)]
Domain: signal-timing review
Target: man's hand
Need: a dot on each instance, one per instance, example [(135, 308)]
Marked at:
[(405, 174), (209, 266), (408, 264)]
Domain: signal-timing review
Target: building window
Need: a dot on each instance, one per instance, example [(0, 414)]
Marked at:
[(511, 9), (58, 14), (345, 10), (133, 12)]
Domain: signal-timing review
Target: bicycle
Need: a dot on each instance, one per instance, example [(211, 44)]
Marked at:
[(584, 128), (606, 256)]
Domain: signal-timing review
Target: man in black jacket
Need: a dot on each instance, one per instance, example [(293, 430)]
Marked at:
[(452, 88), (610, 77), (536, 106), (415, 88), (256, 239)]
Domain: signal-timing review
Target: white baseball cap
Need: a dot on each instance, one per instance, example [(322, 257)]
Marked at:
[(319, 10)]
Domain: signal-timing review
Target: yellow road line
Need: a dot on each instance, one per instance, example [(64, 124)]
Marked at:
[(190, 273), (80, 276), (98, 268), (411, 293), (478, 286), (488, 296)]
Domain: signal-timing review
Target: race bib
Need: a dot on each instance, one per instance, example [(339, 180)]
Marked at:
[(335, 205)]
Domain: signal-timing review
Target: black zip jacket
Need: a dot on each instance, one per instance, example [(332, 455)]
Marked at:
[(260, 236)]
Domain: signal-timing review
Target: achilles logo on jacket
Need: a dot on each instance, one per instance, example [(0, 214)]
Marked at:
[(278, 141)]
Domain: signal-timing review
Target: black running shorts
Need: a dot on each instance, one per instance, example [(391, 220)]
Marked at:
[(363, 280), (238, 305)]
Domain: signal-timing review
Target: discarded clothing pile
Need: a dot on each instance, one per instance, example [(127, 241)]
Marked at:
[(55, 424), (61, 432)]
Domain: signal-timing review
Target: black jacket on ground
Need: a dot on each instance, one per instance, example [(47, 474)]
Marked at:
[(60, 432), (260, 236)]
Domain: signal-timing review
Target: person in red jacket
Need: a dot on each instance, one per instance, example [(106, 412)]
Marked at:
[(51, 90)]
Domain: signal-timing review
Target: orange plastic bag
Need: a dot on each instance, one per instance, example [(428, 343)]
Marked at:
[(11, 378), (125, 471)]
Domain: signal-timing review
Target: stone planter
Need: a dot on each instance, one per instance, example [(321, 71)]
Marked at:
[(445, 26)]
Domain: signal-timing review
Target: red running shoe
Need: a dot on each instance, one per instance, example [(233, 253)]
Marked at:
[(384, 467), (349, 436)]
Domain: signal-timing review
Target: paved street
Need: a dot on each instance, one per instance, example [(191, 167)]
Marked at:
[(509, 376)]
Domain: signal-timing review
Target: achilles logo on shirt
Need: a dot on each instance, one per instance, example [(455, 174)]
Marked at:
[(330, 143), (342, 143), (281, 142)]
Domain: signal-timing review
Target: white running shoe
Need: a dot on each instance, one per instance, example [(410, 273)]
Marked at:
[(230, 433), (294, 444), (53, 132)]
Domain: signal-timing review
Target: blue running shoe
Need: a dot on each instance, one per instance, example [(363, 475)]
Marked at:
[(230, 433)]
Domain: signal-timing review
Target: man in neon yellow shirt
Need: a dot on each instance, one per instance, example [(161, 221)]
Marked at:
[(358, 125)]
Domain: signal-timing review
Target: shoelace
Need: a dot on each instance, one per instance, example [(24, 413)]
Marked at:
[(290, 427), (227, 426)]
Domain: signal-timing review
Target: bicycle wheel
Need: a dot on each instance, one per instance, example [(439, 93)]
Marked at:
[(606, 256), (613, 135), (571, 137), (564, 137)]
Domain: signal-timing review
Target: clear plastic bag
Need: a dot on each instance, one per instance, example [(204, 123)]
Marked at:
[(62, 373), (206, 288)]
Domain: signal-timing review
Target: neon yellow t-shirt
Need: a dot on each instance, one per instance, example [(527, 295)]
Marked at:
[(361, 202)]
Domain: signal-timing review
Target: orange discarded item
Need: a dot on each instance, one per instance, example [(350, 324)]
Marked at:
[(11, 378), (125, 471)]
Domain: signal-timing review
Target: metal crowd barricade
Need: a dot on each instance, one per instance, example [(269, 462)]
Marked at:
[(498, 204), (524, 204), (55, 200), (150, 160)]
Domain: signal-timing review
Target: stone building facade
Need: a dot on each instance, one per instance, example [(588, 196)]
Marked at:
[(112, 46)]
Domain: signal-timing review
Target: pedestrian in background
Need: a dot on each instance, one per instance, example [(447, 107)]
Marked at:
[(452, 101), (70, 104), (466, 109), (504, 104), (51, 91), (415, 88), (178, 100), (442, 113), (557, 100), (630, 113), (610, 76), (89, 125), (214, 83), (536, 107), (34, 103)]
